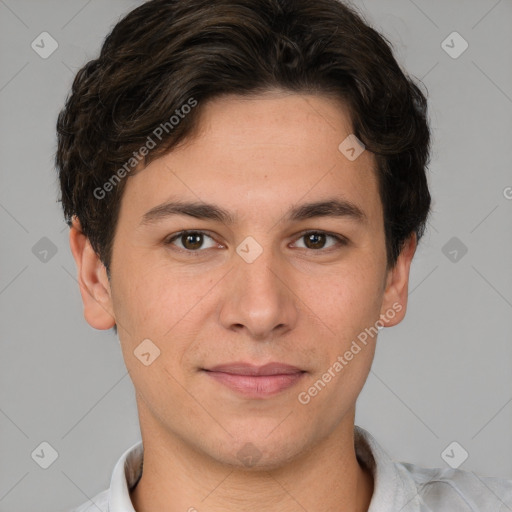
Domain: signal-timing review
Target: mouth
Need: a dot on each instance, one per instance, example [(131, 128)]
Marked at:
[(253, 381)]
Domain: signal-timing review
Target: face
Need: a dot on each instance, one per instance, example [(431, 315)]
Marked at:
[(274, 280)]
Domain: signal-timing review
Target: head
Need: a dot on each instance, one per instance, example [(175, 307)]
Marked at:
[(244, 105)]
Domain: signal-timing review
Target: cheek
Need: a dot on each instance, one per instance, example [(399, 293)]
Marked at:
[(351, 296), (161, 304), (349, 304)]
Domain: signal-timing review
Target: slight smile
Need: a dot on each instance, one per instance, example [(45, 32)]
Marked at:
[(254, 381)]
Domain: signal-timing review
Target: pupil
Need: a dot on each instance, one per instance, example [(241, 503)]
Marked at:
[(317, 239), (190, 237)]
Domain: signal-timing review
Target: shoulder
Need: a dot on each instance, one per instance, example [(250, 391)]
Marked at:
[(97, 504), (458, 490)]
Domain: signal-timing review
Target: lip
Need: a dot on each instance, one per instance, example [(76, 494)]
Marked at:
[(253, 381), (242, 368)]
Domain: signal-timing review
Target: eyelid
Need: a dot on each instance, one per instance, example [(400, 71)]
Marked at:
[(321, 231), (174, 236), (340, 239)]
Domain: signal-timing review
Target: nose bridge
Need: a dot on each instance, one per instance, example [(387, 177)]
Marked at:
[(258, 298), (256, 269)]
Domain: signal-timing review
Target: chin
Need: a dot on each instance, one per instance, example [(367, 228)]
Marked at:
[(258, 452)]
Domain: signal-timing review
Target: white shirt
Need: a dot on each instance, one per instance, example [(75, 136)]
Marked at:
[(398, 486)]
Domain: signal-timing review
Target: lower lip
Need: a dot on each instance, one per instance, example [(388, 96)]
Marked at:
[(261, 386)]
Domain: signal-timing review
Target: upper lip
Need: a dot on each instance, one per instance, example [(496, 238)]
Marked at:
[(241, 368)]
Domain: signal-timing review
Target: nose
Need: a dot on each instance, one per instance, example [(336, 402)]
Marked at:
[(259, 298)]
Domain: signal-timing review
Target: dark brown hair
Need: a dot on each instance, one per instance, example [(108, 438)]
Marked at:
[(166, 55)]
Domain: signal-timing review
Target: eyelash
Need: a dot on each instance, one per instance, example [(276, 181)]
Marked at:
[(341, 241)]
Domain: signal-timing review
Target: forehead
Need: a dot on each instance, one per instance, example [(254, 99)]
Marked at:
[(260, 153)]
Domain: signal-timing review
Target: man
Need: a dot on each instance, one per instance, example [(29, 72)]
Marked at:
[(245, 186)]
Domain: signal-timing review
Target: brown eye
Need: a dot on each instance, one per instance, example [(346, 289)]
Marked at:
[(191, 241), (317, 240)]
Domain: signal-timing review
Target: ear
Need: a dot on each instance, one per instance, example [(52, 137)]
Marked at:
[(394, 304), (93, 280)]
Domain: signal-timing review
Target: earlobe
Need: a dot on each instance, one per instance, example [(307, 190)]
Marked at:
[(396, 293), (92, 279)]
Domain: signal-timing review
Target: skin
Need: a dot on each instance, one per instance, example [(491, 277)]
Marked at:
[(256, 157)]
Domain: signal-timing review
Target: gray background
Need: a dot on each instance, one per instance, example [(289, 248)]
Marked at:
[(442, 375)]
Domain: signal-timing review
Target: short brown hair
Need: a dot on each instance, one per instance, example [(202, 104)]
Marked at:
[(165, 53)]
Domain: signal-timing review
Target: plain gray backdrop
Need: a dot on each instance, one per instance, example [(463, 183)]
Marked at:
[(443, 375)]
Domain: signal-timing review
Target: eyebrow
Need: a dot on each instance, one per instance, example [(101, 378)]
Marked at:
[(327, 208)]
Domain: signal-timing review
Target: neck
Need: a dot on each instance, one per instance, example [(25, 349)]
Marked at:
[(177, 477)]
